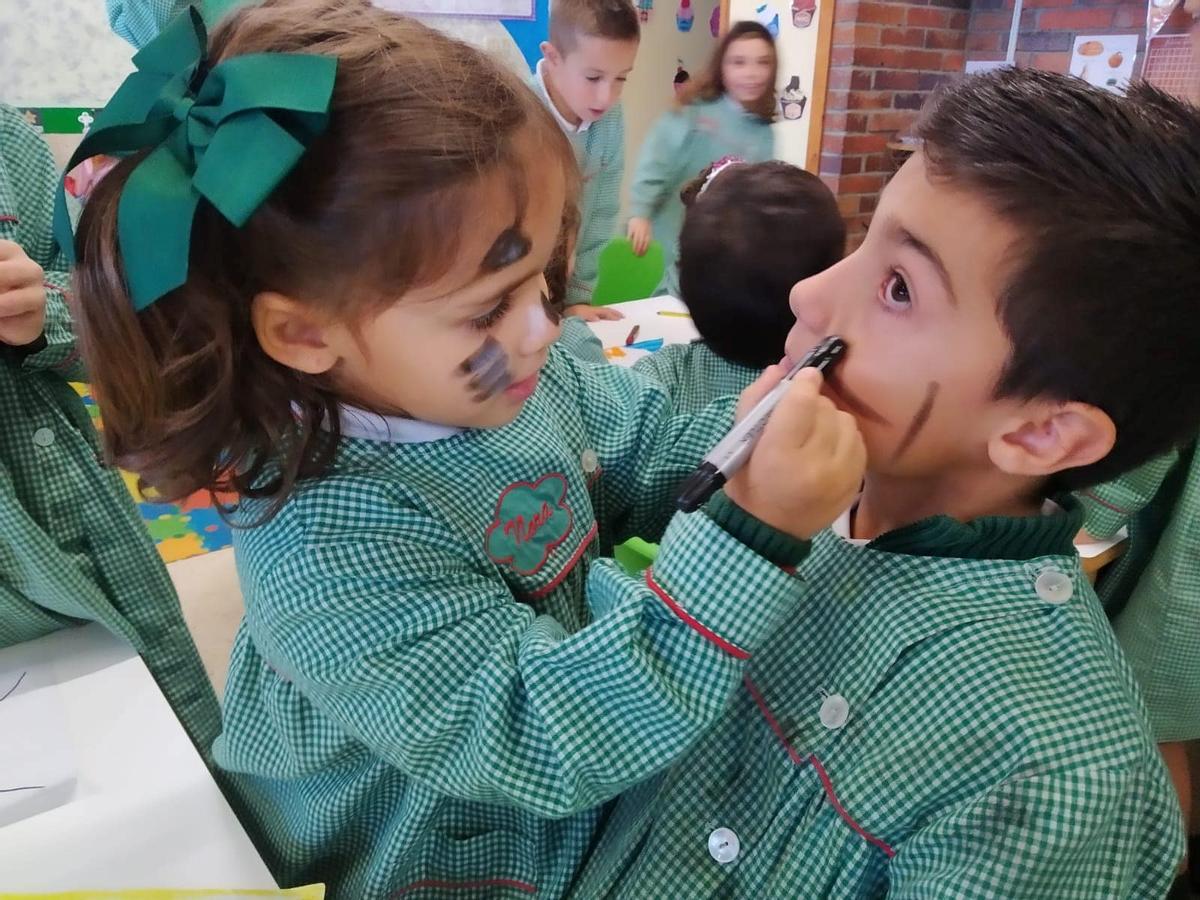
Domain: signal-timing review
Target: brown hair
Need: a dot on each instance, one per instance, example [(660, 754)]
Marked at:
[(558, 272), (747, 238), (614, 20), (375, 207), (1101, 303), (710, 85)]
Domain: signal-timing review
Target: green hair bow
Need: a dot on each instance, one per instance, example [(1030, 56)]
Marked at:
[(229, 134)]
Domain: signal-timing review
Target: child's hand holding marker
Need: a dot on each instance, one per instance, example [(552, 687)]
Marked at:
[(809, 462), (22, 297)]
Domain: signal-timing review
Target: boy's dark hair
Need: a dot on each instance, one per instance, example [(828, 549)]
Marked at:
[(752, 234), (1103, 305), (614, 20)]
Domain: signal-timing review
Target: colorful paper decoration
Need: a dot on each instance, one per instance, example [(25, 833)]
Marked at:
[(792, 100), (803, 12), (685, 16), (768, 18)]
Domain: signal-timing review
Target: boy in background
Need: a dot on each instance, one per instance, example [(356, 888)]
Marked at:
[(584, 65)]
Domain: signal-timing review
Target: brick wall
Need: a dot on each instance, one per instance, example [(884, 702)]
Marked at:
[(887, 56), (1048, 28)]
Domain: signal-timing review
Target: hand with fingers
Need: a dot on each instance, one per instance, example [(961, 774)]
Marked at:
[(22, 296), (809, 463)]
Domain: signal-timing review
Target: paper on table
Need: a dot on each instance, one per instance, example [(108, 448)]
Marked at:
[(660, 319), (37, 766), (311, 892), (1095, 548)]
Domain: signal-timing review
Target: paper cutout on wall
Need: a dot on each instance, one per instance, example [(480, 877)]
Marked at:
[(1105, 60), (792, 100), (645, 7), (685, 16), (768, 18), (803, 12), (714, 21)]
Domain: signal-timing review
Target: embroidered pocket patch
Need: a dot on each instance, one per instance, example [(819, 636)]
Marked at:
[(529, 522)]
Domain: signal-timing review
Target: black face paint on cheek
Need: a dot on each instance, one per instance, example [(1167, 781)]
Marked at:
[(919, 420), (487, 369), (554, 311), (510, 247)]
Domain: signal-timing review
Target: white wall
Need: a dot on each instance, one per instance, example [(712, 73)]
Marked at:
[(797, 48), (650, 89)]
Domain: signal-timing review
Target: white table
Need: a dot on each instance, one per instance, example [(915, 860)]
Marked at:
[(143, 811), (675, 327)]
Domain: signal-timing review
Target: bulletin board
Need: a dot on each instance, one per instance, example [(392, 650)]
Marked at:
[(484, 9)]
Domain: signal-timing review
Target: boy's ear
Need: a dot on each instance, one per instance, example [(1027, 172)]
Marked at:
[(292, 333), (550, 54), (1052, 437)]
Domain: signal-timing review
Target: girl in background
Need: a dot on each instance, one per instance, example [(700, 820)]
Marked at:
[(726, 111)]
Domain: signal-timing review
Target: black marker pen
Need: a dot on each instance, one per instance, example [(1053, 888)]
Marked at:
[(731, 453)]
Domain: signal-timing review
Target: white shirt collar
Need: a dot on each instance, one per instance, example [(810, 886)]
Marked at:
[(563, 123), (369, 426)]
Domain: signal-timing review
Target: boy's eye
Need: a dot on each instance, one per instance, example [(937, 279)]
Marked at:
[(593, 78), (493, 315), (895, 291)]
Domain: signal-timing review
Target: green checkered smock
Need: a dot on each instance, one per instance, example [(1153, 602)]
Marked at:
[(945, 715), (438, 679), (1153, 591), (695, 376), (73, 548)]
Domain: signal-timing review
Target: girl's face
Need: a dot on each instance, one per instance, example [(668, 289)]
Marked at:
[(746, 69), (466, 350)]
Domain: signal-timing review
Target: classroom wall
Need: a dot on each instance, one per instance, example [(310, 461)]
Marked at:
[(1047, 33), (887, 57), (650, 90), (797, 48)]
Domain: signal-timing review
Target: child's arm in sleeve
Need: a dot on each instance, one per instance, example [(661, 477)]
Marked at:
[(581, 341), (660, 164), (645, 450), (34, 179), (431, 662), (1108, 507), (666, 369), (600, 227), (1095, 832)]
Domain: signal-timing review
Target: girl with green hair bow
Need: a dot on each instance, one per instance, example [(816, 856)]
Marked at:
[(315, 280)]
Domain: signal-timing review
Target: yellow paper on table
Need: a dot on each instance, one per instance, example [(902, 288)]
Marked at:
[(311, 892)]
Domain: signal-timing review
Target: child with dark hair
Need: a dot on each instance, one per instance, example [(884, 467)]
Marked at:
[(438, 679), (751, 231), (948, 713)]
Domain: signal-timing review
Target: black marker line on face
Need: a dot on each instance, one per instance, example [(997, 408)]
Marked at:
[(487, 369), (919, 420), (509, 248)]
